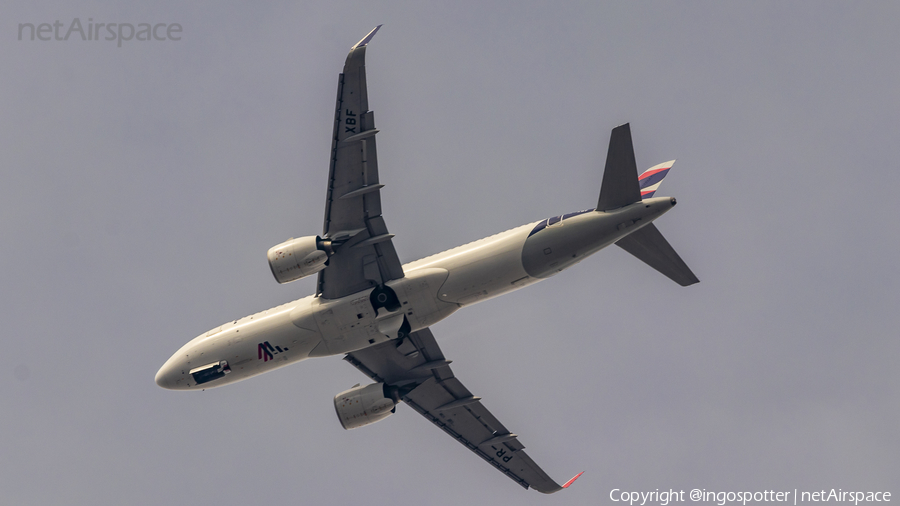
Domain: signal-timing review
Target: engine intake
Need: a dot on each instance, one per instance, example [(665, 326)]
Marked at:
[(364, 405), (298, 258)]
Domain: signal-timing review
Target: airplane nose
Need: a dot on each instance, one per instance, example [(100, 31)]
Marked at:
[(165, 377)]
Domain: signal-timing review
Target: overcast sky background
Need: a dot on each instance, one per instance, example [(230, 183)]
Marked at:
[(142, 186)]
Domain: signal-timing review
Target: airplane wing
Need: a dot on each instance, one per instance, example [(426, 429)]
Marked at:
[(364, 255), (427, 384)]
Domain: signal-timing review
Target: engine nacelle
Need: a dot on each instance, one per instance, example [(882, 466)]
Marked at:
[(298, 258), (364, 405)]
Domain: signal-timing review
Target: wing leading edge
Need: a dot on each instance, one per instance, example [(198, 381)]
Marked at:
[(417, 364), (364, 254)]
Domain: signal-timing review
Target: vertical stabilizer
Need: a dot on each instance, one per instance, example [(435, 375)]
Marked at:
[(620, 178), (651, 178)]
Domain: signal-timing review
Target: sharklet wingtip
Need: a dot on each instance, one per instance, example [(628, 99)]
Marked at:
[(365, 40), (566, 484)]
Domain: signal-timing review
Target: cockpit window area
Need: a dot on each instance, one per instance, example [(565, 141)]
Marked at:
[(549, 222)]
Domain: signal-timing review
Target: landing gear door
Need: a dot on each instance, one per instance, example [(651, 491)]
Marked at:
[(210, 372)]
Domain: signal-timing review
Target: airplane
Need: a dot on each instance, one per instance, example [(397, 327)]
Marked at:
[(377, 313)]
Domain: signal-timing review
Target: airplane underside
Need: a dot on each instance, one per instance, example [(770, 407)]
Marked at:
[(378, 313)]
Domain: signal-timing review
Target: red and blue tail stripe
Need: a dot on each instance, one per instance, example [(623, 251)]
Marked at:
[(652, 177)]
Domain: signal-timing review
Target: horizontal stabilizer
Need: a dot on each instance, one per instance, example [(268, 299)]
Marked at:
[(649, 246), (620, 180)]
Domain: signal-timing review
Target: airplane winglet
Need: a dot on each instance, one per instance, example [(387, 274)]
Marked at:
[(365, 40), (566, 484)]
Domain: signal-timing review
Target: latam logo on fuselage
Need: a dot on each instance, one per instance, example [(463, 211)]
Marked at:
[(266, 351)]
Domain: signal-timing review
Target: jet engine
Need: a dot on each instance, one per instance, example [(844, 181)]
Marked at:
[(364, 405), (298, 258)]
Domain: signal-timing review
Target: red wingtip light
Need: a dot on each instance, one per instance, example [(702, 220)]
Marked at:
[(566, 485)]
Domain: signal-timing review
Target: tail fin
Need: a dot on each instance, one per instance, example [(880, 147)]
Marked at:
[(651, 178), (621, 186), (649, 246)]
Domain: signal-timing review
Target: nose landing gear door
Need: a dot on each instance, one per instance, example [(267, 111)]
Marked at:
[(210, 372)]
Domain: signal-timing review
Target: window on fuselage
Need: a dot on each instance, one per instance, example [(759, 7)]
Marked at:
[(554, 220)]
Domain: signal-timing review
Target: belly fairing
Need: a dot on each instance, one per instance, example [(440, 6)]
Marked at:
[(352, 323)]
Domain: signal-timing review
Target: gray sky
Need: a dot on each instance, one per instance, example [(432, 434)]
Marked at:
[(143, 184)]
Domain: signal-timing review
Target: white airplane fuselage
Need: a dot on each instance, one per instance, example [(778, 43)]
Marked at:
[(432, 289)]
